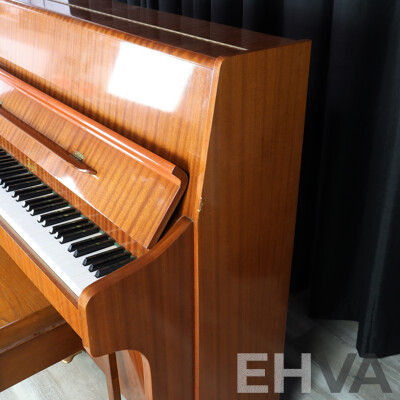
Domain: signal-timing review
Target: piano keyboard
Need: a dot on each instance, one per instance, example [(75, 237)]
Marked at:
[(68, 242)]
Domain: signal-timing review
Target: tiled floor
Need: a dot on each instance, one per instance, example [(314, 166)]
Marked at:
[(333, 340), (82, 380), (79, 380)]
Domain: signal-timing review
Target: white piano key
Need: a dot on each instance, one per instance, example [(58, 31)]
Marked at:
[(70, 269)]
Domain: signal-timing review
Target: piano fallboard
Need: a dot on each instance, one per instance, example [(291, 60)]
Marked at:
[(135, 190)]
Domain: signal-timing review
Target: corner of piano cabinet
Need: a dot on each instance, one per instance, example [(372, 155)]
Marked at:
[(110, 303)]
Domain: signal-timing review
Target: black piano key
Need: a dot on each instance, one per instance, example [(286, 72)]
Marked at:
[(44, 203), (41, 201), (17, 180), (91, 249), (14, 179), (15, 171), (8, 163), (6, 159), (69, 237), (76, 228), (11, 172), (65, 217), (109, 263), (69, 225), (33, 195), (88, 242), (23, 185), (107, 270), (103, 256), (10, 168), (94, 265), (49, 207), (55, 214), (36, 188)]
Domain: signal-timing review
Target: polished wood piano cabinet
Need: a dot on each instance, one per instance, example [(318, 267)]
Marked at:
[(222, 104), (33, 336)]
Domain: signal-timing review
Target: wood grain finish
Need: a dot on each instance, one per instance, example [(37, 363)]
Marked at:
[(111, 372), (158, 297), (39, 351), (33, 335), (217, 281), (76, 201), (246, 227), (132, 374), (135, 194), (62, 299), (20, 301), (44, 141), (113, 78), (188, 35)]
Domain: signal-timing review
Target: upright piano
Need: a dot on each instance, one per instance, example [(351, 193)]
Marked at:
[(149, 169)]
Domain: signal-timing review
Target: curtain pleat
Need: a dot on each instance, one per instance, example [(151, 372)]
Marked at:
[(227, 12), (201, 9), (355, 271)]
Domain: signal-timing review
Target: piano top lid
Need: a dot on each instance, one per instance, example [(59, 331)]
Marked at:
[(194, 35)]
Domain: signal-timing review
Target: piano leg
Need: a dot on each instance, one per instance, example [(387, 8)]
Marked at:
[(111, 372)]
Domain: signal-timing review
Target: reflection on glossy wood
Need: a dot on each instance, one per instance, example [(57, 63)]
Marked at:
[(150, 185), (79, 73), (33, 335), (216, 283)]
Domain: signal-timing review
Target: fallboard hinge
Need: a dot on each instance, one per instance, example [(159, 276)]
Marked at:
[(78, 156)]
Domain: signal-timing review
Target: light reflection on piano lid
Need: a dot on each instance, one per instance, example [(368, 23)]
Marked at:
[(57, 7), (69, 182), (149, 77)]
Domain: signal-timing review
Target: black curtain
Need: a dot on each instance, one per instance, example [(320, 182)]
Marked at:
[(347, 245)]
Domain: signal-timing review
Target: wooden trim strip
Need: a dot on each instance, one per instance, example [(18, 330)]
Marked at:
[(113, 139), (160, 28), (45, 141)]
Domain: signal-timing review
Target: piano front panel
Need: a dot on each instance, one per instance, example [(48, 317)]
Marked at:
[(159, 96), (61, 298), (141, 185), (86, 209)]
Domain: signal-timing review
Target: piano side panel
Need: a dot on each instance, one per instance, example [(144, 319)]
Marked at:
[(148, 306), (157, 95), (246, 226)]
